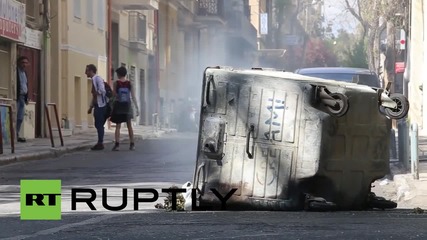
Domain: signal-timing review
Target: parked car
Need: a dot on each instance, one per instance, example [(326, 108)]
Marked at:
[(345, 74)]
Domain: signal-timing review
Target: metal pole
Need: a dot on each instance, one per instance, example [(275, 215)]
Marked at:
[(44, 65), (414, 151), (403, 142)]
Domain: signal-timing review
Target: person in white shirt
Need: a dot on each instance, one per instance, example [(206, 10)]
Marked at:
[(98, 103)]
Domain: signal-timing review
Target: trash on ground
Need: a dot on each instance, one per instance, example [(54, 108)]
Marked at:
[(418, 210), (183, 200)]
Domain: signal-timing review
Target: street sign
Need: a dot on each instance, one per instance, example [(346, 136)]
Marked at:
[(402, 39), (399, 67), (263, 23)]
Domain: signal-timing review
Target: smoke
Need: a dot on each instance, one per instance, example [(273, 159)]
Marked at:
[(227, 41)]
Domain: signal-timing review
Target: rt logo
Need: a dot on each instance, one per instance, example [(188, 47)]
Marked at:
[(40, 199)]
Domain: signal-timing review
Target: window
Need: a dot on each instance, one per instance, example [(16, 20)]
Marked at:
[(89, 11), (77, 9), (132, 74), (32, 7), (102, 12), (137, 27), (150, 39)]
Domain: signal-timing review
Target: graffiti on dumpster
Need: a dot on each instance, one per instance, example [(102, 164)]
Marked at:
[(268, 164), (279, 106)]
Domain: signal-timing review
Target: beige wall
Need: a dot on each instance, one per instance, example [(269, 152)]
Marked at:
[(84, 35), (255, 12), (137, 58), (417, 63), (168, 47), (75, 43), (422, 80)]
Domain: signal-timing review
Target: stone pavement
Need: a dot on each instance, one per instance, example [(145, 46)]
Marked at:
[(402, 187), (41, 148)]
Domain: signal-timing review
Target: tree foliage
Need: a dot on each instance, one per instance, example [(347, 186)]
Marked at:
[(356, 56), (319, 54), (350, 49), (373, 16)]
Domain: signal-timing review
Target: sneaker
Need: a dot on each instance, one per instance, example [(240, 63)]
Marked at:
[(22, 140), (132, 146), (116, 147), (98, 146)]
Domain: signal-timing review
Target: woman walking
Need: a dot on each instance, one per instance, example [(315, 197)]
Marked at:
[(122, 108)]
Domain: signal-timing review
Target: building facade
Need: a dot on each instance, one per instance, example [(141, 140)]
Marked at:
[(417, 60), (165, 45), (20, 35), (77, 38), (133, 33), (194, 35)]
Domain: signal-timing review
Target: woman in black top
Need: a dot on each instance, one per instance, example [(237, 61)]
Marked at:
[(122, 108)]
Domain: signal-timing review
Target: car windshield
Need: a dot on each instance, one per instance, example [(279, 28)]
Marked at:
[(364, 79)]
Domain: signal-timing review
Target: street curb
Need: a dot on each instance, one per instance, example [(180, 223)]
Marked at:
[(60, 151)]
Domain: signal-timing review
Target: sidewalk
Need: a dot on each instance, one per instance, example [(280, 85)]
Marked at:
[(41, 148), (403, 188)]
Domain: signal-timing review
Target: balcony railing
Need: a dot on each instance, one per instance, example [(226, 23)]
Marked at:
[(210, 8), (137, 27), (189, 5)]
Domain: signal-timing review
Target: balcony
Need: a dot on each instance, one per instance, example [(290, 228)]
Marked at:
[(239, 26), (137, 30), (188, 5), (135, 4), (210, 11)]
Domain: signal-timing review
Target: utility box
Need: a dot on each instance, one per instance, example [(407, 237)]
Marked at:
[(28, 127)]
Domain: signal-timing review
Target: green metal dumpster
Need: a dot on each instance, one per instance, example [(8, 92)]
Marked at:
[(289, 142)]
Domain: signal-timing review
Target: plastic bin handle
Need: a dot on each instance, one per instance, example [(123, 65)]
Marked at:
[(197, 180), (248, 138), (208, 90)]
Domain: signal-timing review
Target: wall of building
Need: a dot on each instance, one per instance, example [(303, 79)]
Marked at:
[(422, 80), (135, 56), (80, 33), (168, 31), (417, 63)]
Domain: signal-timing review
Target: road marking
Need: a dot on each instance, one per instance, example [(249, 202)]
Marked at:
[(246, 236), (63, 227)]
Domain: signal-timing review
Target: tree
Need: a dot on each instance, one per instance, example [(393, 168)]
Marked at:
[(281, 8), (350, 49), (319, 54), (375, 16), (356, 57)]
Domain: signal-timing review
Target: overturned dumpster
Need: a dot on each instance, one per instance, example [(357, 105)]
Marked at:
[(290, 142)]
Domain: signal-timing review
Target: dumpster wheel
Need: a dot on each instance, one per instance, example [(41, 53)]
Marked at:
[(402, 107), (342, 105), (318, 204), (380, 202)]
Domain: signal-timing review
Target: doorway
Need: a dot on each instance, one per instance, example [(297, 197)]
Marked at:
[(33, 74), (152, 88), (78, 99), (5, 91), (143, 115)]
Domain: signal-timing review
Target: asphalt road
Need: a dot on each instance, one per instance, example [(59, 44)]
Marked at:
[(161, 163)]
